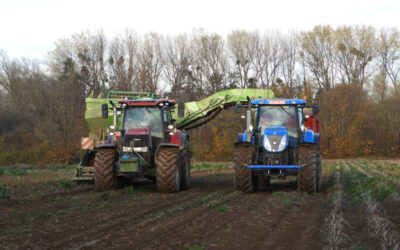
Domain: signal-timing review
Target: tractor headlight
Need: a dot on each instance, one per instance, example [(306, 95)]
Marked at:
[(283, 143), (135, 149), (267, 143)]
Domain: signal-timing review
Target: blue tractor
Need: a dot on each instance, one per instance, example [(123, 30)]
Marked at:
[(280, 140)]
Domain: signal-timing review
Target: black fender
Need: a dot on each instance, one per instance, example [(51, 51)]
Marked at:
[(244, 144), (109, 139), (107, 145), (184, 140)]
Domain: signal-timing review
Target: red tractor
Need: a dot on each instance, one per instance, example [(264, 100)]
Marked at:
[(145, 145)]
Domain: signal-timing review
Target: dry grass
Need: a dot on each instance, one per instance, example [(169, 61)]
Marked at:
[(378, 226), (335, 234)]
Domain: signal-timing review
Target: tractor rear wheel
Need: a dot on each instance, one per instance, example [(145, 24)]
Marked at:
[(243, 178), (306, 177), (185, 177), (167, 170), (104, 175)]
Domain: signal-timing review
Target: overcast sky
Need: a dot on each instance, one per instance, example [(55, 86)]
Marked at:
[(29, 28)]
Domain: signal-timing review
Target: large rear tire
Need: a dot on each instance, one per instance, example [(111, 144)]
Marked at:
[(306, 177), (104, 174), (185, 177), (243, 178), (167, 170)]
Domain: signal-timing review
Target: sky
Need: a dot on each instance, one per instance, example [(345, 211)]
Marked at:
[(30, 28)]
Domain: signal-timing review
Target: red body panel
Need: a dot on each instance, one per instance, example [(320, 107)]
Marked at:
[(176, 138), (312, 123), (138, 131)]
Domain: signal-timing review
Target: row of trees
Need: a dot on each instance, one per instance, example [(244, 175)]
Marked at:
[(353, 72)]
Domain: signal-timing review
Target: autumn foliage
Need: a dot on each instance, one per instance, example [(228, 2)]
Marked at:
[(353, 72)]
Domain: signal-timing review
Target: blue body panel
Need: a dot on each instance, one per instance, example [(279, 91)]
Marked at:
[(274, 166), (308, 137), (276, 130), (240, 137)]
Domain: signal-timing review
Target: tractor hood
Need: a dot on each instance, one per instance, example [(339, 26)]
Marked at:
[(137, 137), (275, 138)]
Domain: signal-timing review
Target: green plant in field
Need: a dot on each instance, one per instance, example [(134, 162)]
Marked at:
[(106, 205), (128, 190), (65, 183), (43, 215), (12, 211), (195, 247), (4, 191), (75, 197), (277, 193), (17, 172), (1, 172), (222, 209), (106, 196), (286, 202)]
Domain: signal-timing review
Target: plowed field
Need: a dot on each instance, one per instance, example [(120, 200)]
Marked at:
[(43, 209)]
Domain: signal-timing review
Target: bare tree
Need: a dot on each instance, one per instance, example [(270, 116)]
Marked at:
[(317, 48), (242, 46), (289, 62), (87, 53), (150, 63), (355, 50), (209, 63), (389, 55), (268, 58), (123, 59)]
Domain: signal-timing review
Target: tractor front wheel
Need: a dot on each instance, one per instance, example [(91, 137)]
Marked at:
[(306, 177), (104, 175), (167, 170), (243, 178)]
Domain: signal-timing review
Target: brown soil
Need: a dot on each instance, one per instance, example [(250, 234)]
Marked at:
[(211, 215)]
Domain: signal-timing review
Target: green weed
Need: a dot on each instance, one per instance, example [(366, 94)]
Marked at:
[(287, 202), (129, 190), (195, 247), (75, 197), (65, 183), (43, 215), (106, 205), (17, 172), (222, 209), (277, 193), (4, 191), (107, 196)]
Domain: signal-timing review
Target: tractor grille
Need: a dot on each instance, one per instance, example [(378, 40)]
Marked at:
[(275, 140), (138, 140)]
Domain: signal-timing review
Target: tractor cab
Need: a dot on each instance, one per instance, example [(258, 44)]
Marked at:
[(144, 125)]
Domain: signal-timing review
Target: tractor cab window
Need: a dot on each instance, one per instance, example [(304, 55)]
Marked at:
[(167, 117), (149, 117), (278, 116)]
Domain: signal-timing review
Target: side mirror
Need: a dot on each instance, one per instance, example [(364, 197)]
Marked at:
[(104, 111), (181, 110), (315, 108), (238, 108)]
